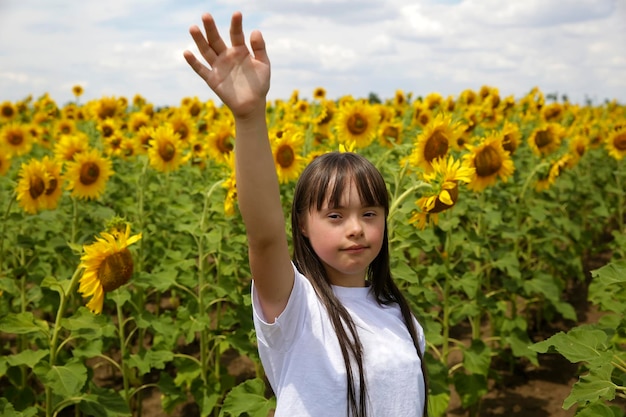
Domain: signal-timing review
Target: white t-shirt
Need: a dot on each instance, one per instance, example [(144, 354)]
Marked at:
[(304, 365)]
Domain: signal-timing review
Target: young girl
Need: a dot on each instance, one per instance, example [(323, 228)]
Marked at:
[(336, 337)]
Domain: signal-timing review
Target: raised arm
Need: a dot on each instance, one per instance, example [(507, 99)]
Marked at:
[(241, 80)]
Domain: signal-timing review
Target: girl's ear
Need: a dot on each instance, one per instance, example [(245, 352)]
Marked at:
[(303, 230)]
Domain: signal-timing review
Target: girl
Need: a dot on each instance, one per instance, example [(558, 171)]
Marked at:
[(336, 337)]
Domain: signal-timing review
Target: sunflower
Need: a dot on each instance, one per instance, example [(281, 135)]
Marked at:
[(390, 134), (287, 144), (546, 138), (8, 111), (77, 90), (166, 149), (221, 141), (137, 120), (107, 107), (64, 127), (32, 185), (616, 144), (399, 99), (114, 144), (319, 93), (108, 127), (16, 139), (490, 161), (510, 137), (231, 195), (107, 264), (434, 142), (578, 145), (5, 162), (356, 122), (54, 190), (142, 139), (444, 180), (69, 146), (87, 174), (183, 125), (545, 181), (192, 106), (199, 153)]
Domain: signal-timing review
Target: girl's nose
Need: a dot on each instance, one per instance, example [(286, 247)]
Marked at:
[(355, 228)]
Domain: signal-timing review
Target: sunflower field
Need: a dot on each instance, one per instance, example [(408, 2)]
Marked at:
[(123, 258)]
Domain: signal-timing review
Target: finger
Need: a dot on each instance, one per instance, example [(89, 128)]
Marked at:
[(203, 46), (237, 38), (197, 66), (212, 34), (257, 43)]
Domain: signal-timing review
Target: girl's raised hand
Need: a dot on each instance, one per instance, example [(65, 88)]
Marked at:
[(240, 79)]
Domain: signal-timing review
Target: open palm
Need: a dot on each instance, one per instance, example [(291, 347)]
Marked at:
[(240, 79)]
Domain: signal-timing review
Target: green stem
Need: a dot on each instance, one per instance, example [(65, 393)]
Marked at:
[(5, 222), (204, 334), (74, 221), (445, 349), (122, 337), (620, 201), (55, 332)]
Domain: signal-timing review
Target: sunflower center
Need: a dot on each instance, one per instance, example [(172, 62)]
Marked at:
[(327, 118), (436, 146), (89, 173), (543, 139), (183, 131), (285, 156), (195, 109), (488, 162), (441, 206), (357, 124), (37, 187), (52, 185), (509, 144), (391, 132), (7, 111), (167, 151), (107, 131), (224, 144), (620, 142), (115, 270), (15, 138)]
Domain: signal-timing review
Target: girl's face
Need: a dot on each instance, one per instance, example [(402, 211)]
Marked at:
[(346, 238)]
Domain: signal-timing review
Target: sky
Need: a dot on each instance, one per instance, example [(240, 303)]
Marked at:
[(119, 48)]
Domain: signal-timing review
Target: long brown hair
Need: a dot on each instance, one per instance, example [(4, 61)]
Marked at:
[(324, 180)]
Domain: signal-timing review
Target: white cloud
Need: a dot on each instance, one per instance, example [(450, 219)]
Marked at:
[(123, 47)]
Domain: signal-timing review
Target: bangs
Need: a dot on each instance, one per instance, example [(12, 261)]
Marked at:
[(327, 177)]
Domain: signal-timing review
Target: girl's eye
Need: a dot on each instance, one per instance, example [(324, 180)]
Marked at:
[(369, 214), (334, 216)]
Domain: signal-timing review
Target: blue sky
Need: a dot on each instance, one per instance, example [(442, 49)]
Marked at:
[(128, 47)]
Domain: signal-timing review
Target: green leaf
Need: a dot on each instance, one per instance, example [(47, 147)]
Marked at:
[(151, 359), (593, 387), (7, 410), (29, 358), (66, 380), (477, 358), (23, 323), (101, 402), (9, 285), (585, 343), (87, 325), (248, 397), (599, 410), (471, 388)]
